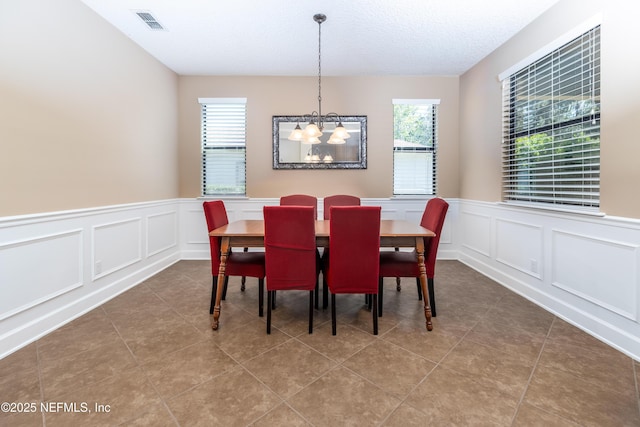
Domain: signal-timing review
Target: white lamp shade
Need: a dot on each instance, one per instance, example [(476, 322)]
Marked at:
[(335, 140), (296, 134), (311, 130), (310, 140), (341, 132)]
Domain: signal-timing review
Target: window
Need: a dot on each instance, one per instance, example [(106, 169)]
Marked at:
[(551, 128), (223, 146), (414, 146)]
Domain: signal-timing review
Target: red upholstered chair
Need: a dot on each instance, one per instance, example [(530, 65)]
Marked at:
[(405, 264), (354, 244), (339, 200), (301, 200), (329, 201), (238, 263), (290, 253)]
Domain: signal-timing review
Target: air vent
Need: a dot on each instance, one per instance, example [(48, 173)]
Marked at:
[(149, 19)]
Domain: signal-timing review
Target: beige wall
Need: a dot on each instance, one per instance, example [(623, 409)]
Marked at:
[(480, 107), (269, 96), (87, 118)]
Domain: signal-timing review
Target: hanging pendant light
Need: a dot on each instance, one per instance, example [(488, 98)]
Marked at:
[(316, 122)]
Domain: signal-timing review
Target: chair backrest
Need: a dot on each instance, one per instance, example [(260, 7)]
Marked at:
[(216, 215), (301, 200), (339, 200), (354, 242), (290, 247), (433, 219)]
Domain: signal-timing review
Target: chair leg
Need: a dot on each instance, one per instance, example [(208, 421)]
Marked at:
[(224, 290), (432, 296), (325, 293), (214, 290), (398, 286), (273, 300), (311, 302), (375, 314), (261, 297), (244, 279), (333, 314), (379, 297), (269, 295), (419, 289)]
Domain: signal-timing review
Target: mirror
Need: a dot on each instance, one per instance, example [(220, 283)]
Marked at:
[(288, 154)]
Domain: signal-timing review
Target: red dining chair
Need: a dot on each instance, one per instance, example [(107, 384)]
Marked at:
[(301, 200), (354, 244), (405, 264), (335, 200), (238, 263), (338, 200), (290, 253)]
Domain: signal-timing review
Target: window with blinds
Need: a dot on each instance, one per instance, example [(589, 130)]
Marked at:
[(223, 146), (414, 146), (551, 128)]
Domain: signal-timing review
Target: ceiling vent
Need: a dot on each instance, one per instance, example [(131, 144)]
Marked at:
[(149, 20)]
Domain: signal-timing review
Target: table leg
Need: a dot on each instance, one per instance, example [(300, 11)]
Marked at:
[(224, 254), (423, 281)]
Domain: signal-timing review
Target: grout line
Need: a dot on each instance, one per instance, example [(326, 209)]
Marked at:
[(535, 367)]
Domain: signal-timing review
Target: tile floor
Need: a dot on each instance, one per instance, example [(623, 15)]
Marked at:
[(149, 357)]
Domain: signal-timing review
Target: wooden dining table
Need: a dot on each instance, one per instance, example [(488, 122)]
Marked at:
[(393, 234)]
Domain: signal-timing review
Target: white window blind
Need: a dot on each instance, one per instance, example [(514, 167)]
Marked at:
[(551, 128), (223, 146), (414, 146)]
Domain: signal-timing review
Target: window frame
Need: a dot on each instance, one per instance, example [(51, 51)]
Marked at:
[(228, 138), (430, 150), (554, 181)]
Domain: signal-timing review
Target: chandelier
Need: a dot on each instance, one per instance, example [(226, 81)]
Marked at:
[(313, 131)]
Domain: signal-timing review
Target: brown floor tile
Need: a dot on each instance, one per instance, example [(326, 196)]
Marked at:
[(62, 375), (507, 338), (249, 340), (530, 416), (289, 367), (123, 397), (188, 367), (347, 341), (234, 398), (508, 372), (283, 415), (612, 370), (393, 369), (450, 398), (87, 332), (341, 397), (573, 398), (432, 345)]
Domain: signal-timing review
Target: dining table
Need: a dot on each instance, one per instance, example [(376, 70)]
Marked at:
[(394, 233)]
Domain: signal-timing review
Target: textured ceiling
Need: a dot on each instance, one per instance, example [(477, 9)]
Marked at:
[(360, 37)]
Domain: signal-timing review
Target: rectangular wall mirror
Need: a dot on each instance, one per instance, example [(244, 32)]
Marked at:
[(290, 154)]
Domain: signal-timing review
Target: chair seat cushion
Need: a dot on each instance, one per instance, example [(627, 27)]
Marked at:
[(399, 264), (250, 264)]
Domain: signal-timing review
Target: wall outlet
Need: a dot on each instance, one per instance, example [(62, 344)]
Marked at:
[(98, 267), (534, 265)]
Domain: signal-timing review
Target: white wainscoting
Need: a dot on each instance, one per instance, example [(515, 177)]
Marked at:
[(57, 266), (582, 268)]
